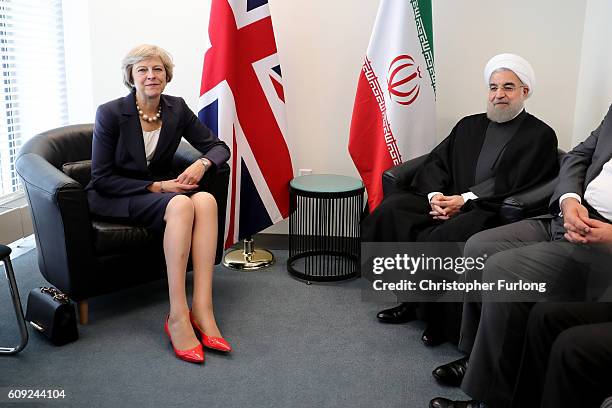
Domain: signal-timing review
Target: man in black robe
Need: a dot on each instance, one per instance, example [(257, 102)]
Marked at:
[(457, 191), (568, 252)]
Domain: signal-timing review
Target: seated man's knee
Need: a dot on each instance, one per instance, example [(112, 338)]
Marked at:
[(498, 266), (489, 242), (475, 246)]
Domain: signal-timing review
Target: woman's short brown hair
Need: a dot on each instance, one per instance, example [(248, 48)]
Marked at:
[(143, 52)]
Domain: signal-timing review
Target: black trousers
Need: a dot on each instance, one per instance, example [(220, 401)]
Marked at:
[(567, 357)]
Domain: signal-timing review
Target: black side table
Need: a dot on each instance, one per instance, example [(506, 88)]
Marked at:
[(5, 253), (324, 231)]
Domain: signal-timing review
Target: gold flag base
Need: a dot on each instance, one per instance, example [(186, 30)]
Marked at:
[(248, 259)]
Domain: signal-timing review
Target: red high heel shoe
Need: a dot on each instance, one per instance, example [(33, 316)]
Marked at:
[(215, 343), (194, 355)]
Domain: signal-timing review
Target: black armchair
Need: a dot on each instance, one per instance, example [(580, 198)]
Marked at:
[(77, 253), (526, 204)]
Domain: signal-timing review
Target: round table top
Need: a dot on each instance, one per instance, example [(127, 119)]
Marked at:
[(326, 183)]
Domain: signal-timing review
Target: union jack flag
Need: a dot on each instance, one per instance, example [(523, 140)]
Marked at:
[(242, 102)]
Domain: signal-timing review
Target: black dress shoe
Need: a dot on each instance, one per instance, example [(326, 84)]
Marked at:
[(433, 336), (451, 373), (440, 402), (402, 313)]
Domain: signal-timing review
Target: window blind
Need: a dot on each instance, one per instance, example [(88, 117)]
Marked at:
[(33, 89)]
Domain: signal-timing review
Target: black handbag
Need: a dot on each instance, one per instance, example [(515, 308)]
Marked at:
[(52, 313)]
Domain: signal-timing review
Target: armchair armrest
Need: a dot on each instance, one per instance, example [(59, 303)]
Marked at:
[(531, 202), (528, 203), (401, 175), (184, 156), (64, 242)]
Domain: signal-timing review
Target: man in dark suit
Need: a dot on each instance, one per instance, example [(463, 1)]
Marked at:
[(568, 251), (486, 158)]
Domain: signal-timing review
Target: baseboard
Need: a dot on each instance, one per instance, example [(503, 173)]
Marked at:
[(15, 222), (268, 241)]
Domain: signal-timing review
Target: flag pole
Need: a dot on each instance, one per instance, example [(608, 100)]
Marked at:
[(248, 258)]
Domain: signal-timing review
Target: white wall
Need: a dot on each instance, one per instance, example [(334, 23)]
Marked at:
[(594, 82), (77, 45), (322, 44), (547, 33), (116, 26)]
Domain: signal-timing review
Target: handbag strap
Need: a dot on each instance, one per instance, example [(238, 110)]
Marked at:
[(57, 295)]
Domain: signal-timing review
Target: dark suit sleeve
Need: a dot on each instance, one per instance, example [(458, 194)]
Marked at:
[(201, 137), (104, 178), (574, 167)]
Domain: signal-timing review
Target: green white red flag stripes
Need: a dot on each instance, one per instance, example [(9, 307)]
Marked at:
[(394, 112)]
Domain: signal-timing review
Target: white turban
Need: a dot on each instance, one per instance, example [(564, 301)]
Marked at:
[(514, 63)]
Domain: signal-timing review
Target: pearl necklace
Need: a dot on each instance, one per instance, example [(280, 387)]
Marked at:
[(147, 118)]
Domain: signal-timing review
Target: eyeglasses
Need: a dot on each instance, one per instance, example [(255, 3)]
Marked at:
[(507, 89)]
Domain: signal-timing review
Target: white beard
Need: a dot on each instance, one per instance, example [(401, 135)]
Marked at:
[(504, 114)]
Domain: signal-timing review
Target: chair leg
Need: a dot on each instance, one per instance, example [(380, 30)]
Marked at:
[(83, 307), (23, 331)]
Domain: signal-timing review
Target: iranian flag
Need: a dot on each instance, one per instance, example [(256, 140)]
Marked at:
[(394, 113)]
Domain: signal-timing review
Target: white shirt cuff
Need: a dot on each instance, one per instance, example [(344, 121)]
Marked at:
[(430, 195), (468, 196), (568, 195)]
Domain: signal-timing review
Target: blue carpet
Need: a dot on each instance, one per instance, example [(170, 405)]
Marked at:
[(296, 345)]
